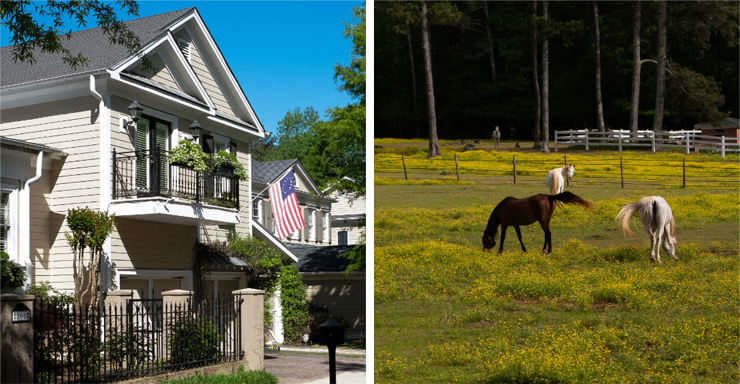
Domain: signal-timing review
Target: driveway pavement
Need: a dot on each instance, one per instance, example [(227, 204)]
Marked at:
[(311, 366)]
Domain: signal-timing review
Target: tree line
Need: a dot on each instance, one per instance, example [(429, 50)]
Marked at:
[(457, 69)]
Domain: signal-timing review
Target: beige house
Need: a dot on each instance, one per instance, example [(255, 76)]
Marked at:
[(315, 207), (71, 141), (347, 216), (313, 248)]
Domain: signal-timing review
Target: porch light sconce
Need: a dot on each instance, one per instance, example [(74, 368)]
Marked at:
[(196, 130), (135, 110)]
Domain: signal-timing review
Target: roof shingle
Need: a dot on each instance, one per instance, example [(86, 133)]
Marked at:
[(92, 43)]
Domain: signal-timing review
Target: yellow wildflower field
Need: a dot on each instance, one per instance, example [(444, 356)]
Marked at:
[(593, 311)]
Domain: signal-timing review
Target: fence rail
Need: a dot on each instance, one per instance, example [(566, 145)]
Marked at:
[(74, 344), (684, 172), (689, 140)]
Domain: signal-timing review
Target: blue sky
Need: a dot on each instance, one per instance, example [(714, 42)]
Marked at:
[(282, 52)]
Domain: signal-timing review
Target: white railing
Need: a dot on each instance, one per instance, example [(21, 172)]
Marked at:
[(669, 139)]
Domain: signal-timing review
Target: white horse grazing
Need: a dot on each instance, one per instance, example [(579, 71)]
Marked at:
[(657, 217), (556, 178)]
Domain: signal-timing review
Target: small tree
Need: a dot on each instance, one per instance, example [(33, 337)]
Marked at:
[(89, 230)]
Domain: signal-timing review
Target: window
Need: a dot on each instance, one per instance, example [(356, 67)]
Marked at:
[(152, 134), (311, 226), (325, 226), (257, 211), (5, 227), (342, 238)]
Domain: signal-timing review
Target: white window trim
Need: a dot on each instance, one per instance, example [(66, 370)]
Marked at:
[(311, 225), (257, 204), (12, 245), (325, 226)]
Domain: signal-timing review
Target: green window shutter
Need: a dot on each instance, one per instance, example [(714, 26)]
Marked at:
[(142, 145), (162, 134)]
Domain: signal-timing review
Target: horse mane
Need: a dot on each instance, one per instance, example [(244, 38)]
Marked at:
[(673, 227)]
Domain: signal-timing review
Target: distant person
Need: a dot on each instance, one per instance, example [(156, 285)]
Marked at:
[(496, 137)]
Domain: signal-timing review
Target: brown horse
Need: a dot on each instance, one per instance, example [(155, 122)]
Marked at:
[(515, 212)]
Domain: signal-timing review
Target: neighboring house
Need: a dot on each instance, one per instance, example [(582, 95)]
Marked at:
[(347, 216), (316, 208), (92, 154), (327, 285), (316, 257)]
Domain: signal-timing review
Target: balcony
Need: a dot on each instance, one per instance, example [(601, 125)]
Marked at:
[(146, 186)]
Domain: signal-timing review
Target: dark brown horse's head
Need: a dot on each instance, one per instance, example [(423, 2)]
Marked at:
[(489, 240)]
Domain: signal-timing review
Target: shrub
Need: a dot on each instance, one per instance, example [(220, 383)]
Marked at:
[(194, 340), (295, 305), (127, 348), (13, 274)]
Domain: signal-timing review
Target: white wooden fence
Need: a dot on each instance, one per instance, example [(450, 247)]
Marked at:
[(670, 139)]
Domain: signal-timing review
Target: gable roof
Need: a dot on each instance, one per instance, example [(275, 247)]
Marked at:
[(92, 43), (269, 171), (312, 258), (115, 62), (726, 123)]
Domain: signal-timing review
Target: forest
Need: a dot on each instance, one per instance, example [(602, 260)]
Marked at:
[(576, 64)]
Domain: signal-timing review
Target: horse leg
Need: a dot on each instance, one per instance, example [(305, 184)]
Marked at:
[(658, 238), (503, 236), (519, 235), (547, 247), (653, 236)]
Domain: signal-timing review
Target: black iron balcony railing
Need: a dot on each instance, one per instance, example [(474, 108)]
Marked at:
[(149, 173)]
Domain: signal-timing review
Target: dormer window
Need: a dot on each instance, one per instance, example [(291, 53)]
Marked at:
[(184, 48)]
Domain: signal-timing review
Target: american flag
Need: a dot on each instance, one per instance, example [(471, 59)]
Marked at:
[(285, 210)]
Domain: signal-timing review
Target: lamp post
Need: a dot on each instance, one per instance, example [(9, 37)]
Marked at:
[(331, 334)]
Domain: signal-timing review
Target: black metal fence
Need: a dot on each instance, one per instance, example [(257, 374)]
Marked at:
[(143, 337), (149, 173)]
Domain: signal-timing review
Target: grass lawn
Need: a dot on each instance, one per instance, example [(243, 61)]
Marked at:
[(241, 377), (594, 311)]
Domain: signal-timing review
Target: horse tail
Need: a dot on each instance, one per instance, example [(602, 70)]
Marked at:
[(554, 185), (646, 205), (624, 215), (570, 198)]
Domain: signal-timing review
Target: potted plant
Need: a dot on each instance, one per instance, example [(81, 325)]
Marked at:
[(13, 274), (225, 162), (189, 155)]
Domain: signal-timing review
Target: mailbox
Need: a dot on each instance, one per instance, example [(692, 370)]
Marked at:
[(331, 332)]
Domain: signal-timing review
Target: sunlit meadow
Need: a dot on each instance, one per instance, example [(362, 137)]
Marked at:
[(594, 311)]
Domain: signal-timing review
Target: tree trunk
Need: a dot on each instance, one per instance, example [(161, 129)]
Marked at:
[(636, 71), (535, 79), (490, 44), (545, 86), (413, 76), (597, 65), (433, 144), (660, 83)]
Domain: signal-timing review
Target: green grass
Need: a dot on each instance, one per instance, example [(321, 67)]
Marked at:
[(594, 311), (241, 377)]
